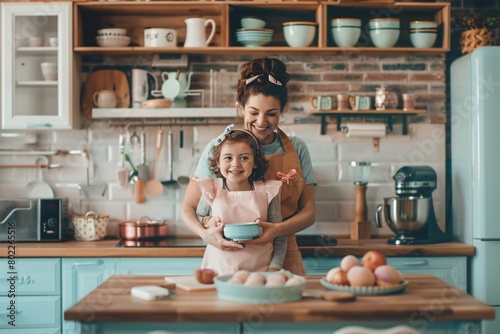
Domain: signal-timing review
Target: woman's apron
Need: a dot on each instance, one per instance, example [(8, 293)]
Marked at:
[(234, 207), (290, 194)]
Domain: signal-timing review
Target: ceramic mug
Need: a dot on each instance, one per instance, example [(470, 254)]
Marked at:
[(105, 99), (160, 37), (322, 102), (35, 41), (360, 102), (49, 71), (342, 101)]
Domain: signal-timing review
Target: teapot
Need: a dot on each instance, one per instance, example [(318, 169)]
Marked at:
[(183, 82)]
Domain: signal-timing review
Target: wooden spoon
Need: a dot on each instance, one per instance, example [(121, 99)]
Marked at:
[(153, 187)]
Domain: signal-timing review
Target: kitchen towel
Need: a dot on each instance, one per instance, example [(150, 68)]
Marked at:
[(371, 130)]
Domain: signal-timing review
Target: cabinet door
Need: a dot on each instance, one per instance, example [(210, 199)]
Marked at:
[(159, 266), (37, 66), (30, 313), (452, 270), (32, 277), (79, 277)]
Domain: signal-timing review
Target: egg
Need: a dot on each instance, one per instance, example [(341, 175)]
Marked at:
[(255, 279), (331, 273), (340, 278), (276, 280), (242, 275), (234, 280), (361, 276), (295, 280), (348, 262), (387, 276)]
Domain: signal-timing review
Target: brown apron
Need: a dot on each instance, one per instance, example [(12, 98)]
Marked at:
[(290, 194)]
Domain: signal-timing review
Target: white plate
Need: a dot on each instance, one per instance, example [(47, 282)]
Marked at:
[(366, 290)]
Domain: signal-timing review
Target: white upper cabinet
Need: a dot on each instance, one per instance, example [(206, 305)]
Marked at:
[(39, 84)]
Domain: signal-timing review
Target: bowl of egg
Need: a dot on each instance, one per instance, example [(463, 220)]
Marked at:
[(371, 276), (260, 287)]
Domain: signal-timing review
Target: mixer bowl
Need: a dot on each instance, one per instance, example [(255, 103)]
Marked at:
[(405, 215)]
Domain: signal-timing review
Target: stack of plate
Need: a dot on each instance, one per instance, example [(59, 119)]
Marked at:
[(254, 37), (112, 37)]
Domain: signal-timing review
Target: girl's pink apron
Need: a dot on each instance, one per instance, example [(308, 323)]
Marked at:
[(290, 194), (238, 207)]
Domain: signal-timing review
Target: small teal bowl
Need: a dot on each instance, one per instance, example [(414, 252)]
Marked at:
[(384, 23), (241, 231)]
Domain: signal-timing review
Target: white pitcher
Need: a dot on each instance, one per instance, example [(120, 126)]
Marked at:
[(195, 32)]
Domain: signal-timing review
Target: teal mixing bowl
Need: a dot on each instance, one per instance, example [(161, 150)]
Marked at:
[(241, 231)]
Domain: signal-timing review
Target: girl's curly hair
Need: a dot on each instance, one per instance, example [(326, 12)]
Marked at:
[(235, 136)]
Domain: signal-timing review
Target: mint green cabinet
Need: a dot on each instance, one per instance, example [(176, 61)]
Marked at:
[(159, 266), (79, 277), (30, 296)]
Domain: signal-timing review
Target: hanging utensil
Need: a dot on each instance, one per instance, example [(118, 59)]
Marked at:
[(154, 187), (143, 169), (38, 188), (134, 173), (170, 144), (121, 172)]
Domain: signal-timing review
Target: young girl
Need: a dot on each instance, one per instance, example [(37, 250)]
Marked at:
[(240, 194)]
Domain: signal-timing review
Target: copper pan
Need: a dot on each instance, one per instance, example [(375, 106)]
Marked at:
[(143, 229)]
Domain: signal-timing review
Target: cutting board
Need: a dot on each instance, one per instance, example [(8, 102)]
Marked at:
[(189, 283), (105, 80)]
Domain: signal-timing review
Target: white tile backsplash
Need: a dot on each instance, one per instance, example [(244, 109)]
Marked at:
[(330, 154)]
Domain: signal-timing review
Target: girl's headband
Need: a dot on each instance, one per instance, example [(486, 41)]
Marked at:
[(228, 129)]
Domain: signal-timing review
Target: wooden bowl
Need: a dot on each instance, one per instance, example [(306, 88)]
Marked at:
[(157, 103)]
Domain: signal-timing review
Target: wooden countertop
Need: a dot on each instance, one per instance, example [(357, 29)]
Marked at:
[(195, 248), (425, 294)]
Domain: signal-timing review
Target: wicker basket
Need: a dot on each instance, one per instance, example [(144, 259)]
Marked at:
[(475, 38)]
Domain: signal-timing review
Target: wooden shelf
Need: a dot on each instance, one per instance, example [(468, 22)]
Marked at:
[(360, 113), (120, 113), (135, 16)]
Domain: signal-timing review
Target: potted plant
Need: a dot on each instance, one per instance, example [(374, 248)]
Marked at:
[(477, 30)]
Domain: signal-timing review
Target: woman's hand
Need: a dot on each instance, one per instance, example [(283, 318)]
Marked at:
[(213, 235), (268, 234)]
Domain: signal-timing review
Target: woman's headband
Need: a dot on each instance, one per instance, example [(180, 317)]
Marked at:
[(270, 77)]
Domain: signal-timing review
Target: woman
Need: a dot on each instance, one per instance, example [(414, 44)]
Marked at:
[(262, 98)]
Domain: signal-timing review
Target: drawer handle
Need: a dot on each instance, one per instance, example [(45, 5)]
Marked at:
[(86, 264), (416, 263), (38, 125)]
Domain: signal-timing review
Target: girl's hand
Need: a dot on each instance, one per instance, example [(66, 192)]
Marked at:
[(268, 233), (213, 236)]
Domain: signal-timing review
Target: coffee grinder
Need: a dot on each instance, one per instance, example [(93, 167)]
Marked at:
[(411, 215)]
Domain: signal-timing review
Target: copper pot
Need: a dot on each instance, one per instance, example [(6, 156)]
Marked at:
[(143, 229)]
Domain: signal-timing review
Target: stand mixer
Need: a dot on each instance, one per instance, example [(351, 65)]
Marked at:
[(411, 215)]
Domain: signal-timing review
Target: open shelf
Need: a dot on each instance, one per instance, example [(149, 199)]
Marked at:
[(339, 114), (136, 16)]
